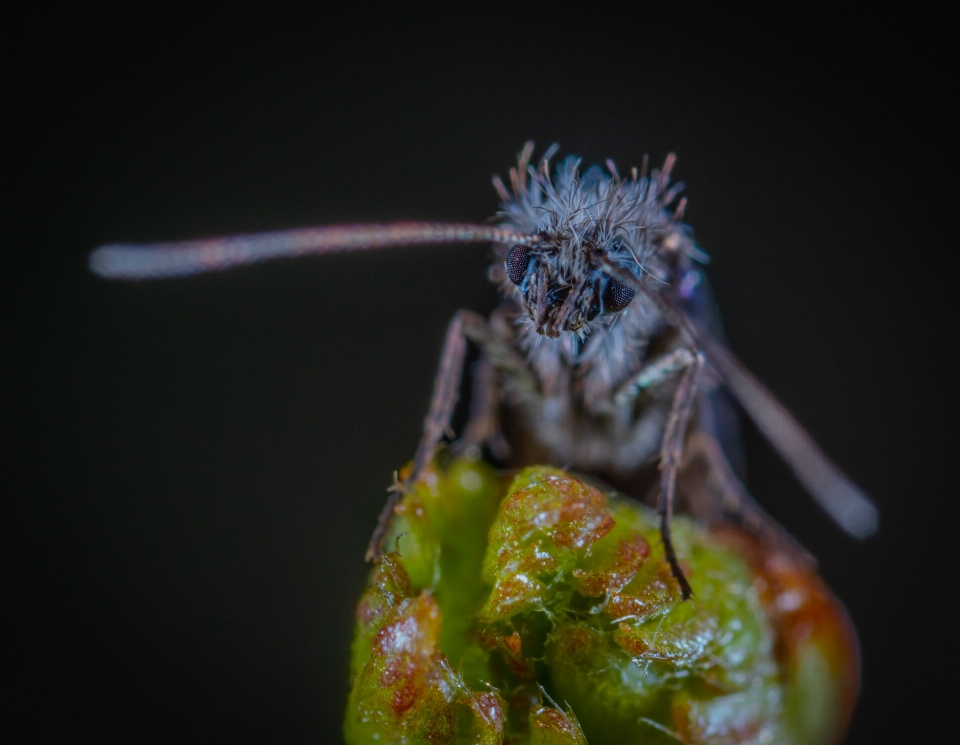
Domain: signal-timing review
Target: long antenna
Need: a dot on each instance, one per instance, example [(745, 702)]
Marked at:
[(163, 260)]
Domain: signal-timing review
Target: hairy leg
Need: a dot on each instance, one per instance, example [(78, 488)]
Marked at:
[(445, 393), (466, 325), (655, 371), (671, 455), (483, 426)]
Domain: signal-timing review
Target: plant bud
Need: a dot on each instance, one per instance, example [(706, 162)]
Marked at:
[(540, 609)]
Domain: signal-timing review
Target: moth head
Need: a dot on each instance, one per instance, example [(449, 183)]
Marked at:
[(561, 292)]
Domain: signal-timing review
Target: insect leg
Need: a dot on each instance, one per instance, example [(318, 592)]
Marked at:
[(483, 426), (655, 371), (446, 389), (671, 454), (500, 364)]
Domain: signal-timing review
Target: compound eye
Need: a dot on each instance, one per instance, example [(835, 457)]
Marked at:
[(517, 261), (617, 296)]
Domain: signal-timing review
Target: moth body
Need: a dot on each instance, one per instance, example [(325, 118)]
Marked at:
[(604, 343)]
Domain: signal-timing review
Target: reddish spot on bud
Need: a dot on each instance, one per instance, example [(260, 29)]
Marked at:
[(391, 578), (516, 593), (557, 723), (403, 697), (631, 553), (641, 600), (572, 514), (489, 709), (632, 644), (366, 613)]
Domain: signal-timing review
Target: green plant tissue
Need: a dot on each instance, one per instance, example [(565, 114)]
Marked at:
[(541, 610)]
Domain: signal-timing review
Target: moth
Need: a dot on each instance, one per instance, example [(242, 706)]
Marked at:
[(599, 352)]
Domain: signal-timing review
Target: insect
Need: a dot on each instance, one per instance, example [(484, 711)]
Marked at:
[(598, 353)]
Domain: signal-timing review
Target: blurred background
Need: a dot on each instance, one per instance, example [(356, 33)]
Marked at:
[(195, 466)]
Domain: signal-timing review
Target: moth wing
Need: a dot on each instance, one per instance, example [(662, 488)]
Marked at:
[(832, 489), (828, 485), (724, 415)]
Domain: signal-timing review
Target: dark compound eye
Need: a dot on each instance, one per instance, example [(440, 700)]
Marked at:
[(517, 261), (617, 296)]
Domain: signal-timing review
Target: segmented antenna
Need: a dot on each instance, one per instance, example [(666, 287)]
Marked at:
[(163, 260)]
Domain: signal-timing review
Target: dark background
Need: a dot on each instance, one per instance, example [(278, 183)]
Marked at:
[(195, 466)]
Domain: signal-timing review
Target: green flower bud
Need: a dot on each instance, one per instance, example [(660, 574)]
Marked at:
[(501, 600)]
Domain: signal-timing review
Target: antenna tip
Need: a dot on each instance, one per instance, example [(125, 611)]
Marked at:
[(861, 519), (103, 261), (120, 261)]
